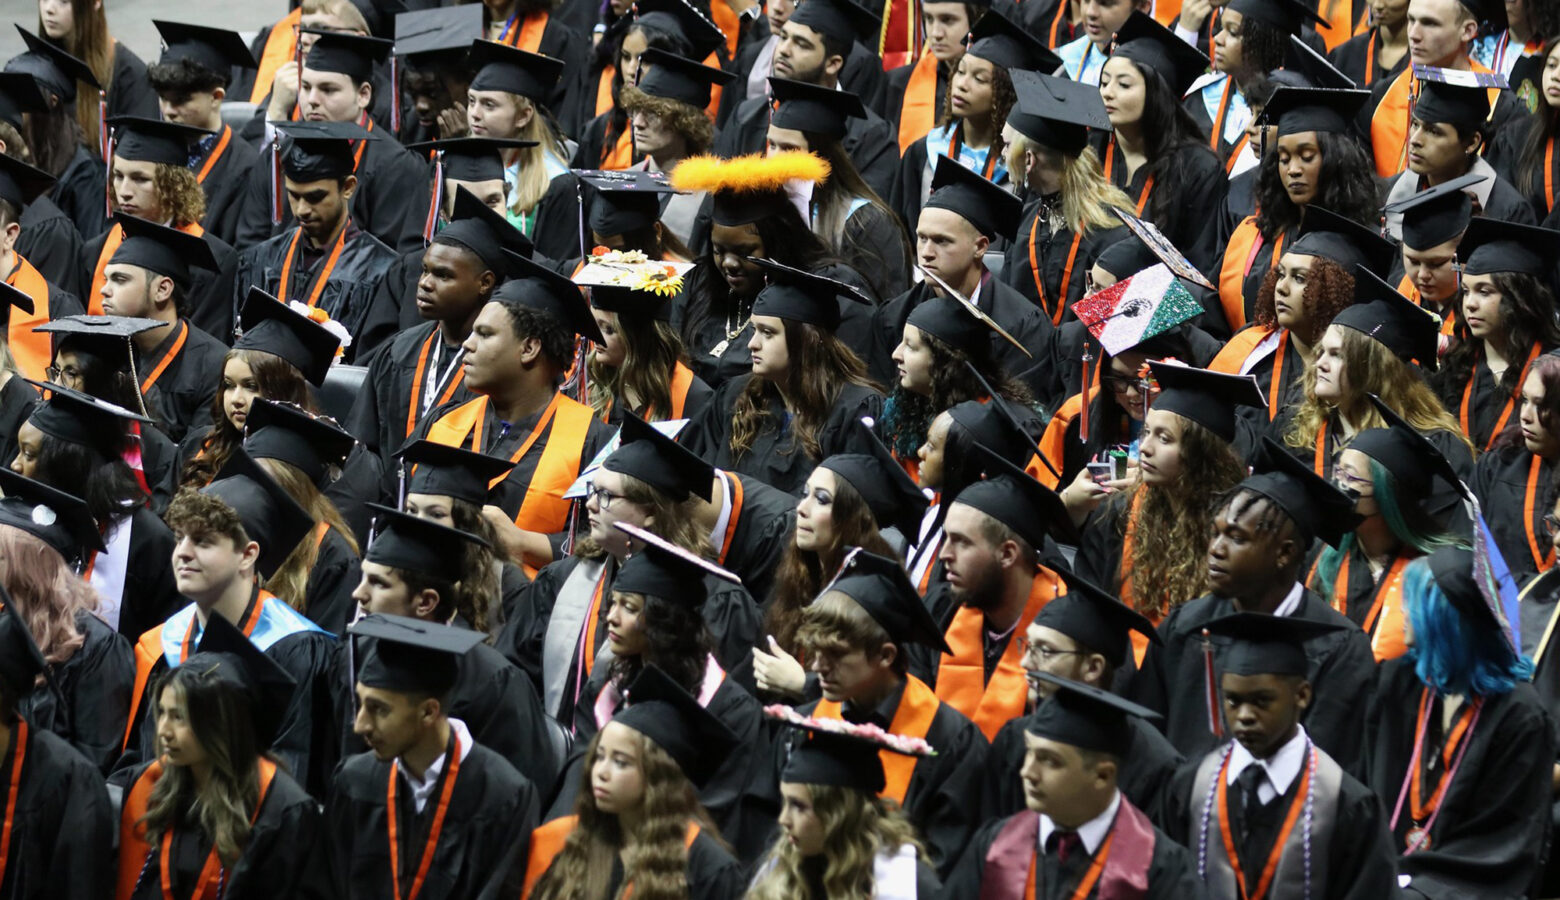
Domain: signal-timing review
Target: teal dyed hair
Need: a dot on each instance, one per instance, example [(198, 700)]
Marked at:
[(1403, 523), (1451, 654)]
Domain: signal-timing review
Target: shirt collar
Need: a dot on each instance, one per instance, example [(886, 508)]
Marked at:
[(462, 740), (1291, 602), (1281, 768), (1092, 832)]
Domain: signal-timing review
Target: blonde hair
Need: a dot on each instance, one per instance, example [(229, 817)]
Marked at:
[(651, 351), (1087, 195), (44, 592), (532, 181), (341, 9), (857, 827)]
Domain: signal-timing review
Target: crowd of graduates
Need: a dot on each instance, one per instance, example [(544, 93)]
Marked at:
[(694, 450)]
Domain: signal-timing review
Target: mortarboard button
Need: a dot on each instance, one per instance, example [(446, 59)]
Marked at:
[(1205, 397), (672, 77), (1392, 320), (160, 249), (812, 108), (1294, 110), (107, 338), (60, 520), (216, 49), (1056, 112), (513, 71), (1267, 644), (319, 151)]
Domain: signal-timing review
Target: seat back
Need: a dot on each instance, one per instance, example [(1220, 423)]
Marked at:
[(342, 385)]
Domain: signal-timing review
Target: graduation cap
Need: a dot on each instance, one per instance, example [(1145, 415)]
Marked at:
[(1126, 257), (1392, 320), (997, 40), (153, 140), (1285, 15), (835, 753), (882, 588), (1436, 215), (216, 49), (1056, 112), (993, 210), (1346, 242), (19, 94), (882, 482), (1146, 42), (410, 656), (500, 67), (1402, 450), (276, 328), (1206, 397), (1314, 68), (749, 188), (107, 338), (1095, 619), (1497, 245), (160, 249), (1454, 571), (290, 433), (268, 687), (1137, 309), (471, 158), (681, 18), (352, 55), (662, 711), (1268, 645), (798, 296), (79, 418), (646, 454), (21, 662), (21, 184), (447, 471), (53, 67), (631, 303), (484, 232), (1331, 110), (318, 151), (537, 287), (380, 15), (1444, 97), (1026, 506), (60, 520), (1317, 507), (423, 34), (270, 516), (659, 568), (404, 541), (625, 201), (1083, 716), (842, 20), (673, 77), (954, 322), (812, 108)]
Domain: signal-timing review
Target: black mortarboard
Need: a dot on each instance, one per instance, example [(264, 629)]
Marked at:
[(1126, 257), (21, 184), (404, 541), (662, 711), (537, 287), (681, 18), (12, 296), (268, 687), (1285, 15), (380, 15), (842, 20), (291, 434), (107, 338), (471, 158), (161, 250), (1266, 644), (21, 662), (1083, 716), (1316, 506), (352, 55), (1146, 42), (955, 324), (484, 232), (217, 49), (153, 140), (53, 67), (317, 151), (272, 326), (60, 520), (1026, 506), (1436, 215), (1463, 106), (79, 418), (882, 482), (882, 588), (410, 656), (1206, 397), (798, 296), (673, 77), (997, 40), (1499, 245), (837, 760), (1056, 112), (646, 454), (630, 303), (447, 471), (270, 516), (1402, 450), (19, 93), (659, 568), (426, 33), (1392, 320), (1095, 619), (1453, 569), (1294, 110), (1313, 69), (990, 208), (500, 67), (812, 108), (1346, 242), (624, 201)]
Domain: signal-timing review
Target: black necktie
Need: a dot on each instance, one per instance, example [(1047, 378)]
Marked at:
[(1249, 779)]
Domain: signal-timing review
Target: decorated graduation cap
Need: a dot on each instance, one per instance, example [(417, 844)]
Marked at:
[(290, 433), (748, 188), (842, 20), (836, 753), (80, 418), (1454, 98), (1146, 42), (53, 67), (1285, 15), (270, 516), (1206, 397), (1436, 215), (1497, 245), (1137, 309), (19, 93), (1026, 506), (352, 55), (21, 184), (659, 568), (882, 482), (1316, 506), (1268, 645), (1294, 110), (537, 287), (410, 656), (153, 140), (446, 471), (1314, 69), (500, 67), (1456, 573), (1392, 320), (997, 40), (484, 232), (798, 296), (625, 201), (406, 542), (317, 151), (1056, 112), (217, 49), (428, 36), (60, 520), (21, 662), (107, 338), (662, 711), (673, 77), (471, 158), (160, 249), (1083, 716), (993, 210), (646, 454), (1402, 450), (1346, 242), (1095, 619), (882, 588), (224, 652), (274, 327), (812, 108)]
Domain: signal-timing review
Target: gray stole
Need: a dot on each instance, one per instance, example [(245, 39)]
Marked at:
[(569, 610)]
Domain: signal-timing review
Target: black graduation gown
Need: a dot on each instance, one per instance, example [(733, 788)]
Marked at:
[(150, 594), (95, 686), (183, 393), (226, 188), (1486, 402), (869, 142), (1488, 839), (1505, 156), (873, 243), (62, 831), (347, 294), (208, 303), (593, 148), (1239, 202), (556, 232), (1341, 669), (757, 533), (379, 414), (17, 401), (1191, 221), (1540, 600), (328, 592), (361, 478), (1501, 484), (81, 193), (1055, 254), (276, 861), (160, 461), (50, 242), (712, 872), (1350, 57)]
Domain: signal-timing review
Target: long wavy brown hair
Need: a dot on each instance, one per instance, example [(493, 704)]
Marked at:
[(480, 580), (857, 827), (90, 42), (290, 581), (651, 351), (820, 366), (685, 119), (45, 592), (655, 859), (1329, 289), (278, 380)]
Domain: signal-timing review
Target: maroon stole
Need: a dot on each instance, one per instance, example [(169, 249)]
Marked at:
[(1125, 875)]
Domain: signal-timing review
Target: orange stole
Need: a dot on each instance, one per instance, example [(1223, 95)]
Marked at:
[(32, 350), (1239, 255), (116, 236), (918, 110), (1124, 572), (917, 708), (1408, 289), (730, 26), (281, 46), (1340, 22), (961, 675), (1389, 123), (1167, 11), (547, 842), (1053, 444)]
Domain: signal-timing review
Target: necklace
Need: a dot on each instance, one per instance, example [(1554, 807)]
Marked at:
[(736, 320)]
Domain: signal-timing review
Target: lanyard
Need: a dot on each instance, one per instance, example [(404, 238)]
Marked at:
[(320, 279), (168, 358), (433, 833), (1540, 559), (1505, 414), (1459, 740), (248, 627), (1340, 598), (1110, 163), (216, 154), (15, 785), (213, 865), (1274, 854), (424, 396), (1089, 877), (1067, 270)]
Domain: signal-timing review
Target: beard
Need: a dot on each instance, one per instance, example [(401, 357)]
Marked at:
[(983, 593)]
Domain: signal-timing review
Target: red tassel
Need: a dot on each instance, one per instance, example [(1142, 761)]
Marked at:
[(1215, 708), (1083, 417), (276, 181), (395, 95), (103, 126), (437, 203)]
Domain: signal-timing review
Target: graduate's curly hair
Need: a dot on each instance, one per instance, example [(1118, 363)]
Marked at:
[(278, 381), (908, 415), (1003, 97), (179, 196), (857, 827), (556, 338), (656, 857), (677, 641), (651, 351), (684, 119), (479, 581), (821, 365), (44, 592), (1329, 290)]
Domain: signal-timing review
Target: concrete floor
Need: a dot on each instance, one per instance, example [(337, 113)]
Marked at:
[(130, 21)]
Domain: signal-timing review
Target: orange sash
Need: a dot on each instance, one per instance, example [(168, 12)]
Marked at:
[(528, 36), (116, 236), (918, 110), (183, 329), (604, 89), (32, 350), (13, 789), (547, 842), (1239, 256), (1340, 24), (729, 24), (1463, 417), (917, 708), (734, 488), (414, 407), (281, 45), (434, 830), (1139, 641), (210, 162), (1233, 355), (1167, 11), (961, 675), (621, 154), (682, 380), (1541, 560), (1053, 442), (1268, 870), (1090, 876)]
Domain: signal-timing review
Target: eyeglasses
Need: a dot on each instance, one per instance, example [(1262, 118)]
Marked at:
[(602, 496), (1551, 526), (1041, 652), (1349, 481), (61, 376), (1120, 384)]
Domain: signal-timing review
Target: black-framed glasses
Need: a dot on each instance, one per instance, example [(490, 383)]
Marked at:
[(1551, 525), (1042, 652), (58, 375), (602, 496), (1120, 384)]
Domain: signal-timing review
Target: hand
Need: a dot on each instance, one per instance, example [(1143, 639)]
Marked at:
[(777, 671), (520, 546), (1194, 13), (284, 91), (452, 122), (1085, 494)]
